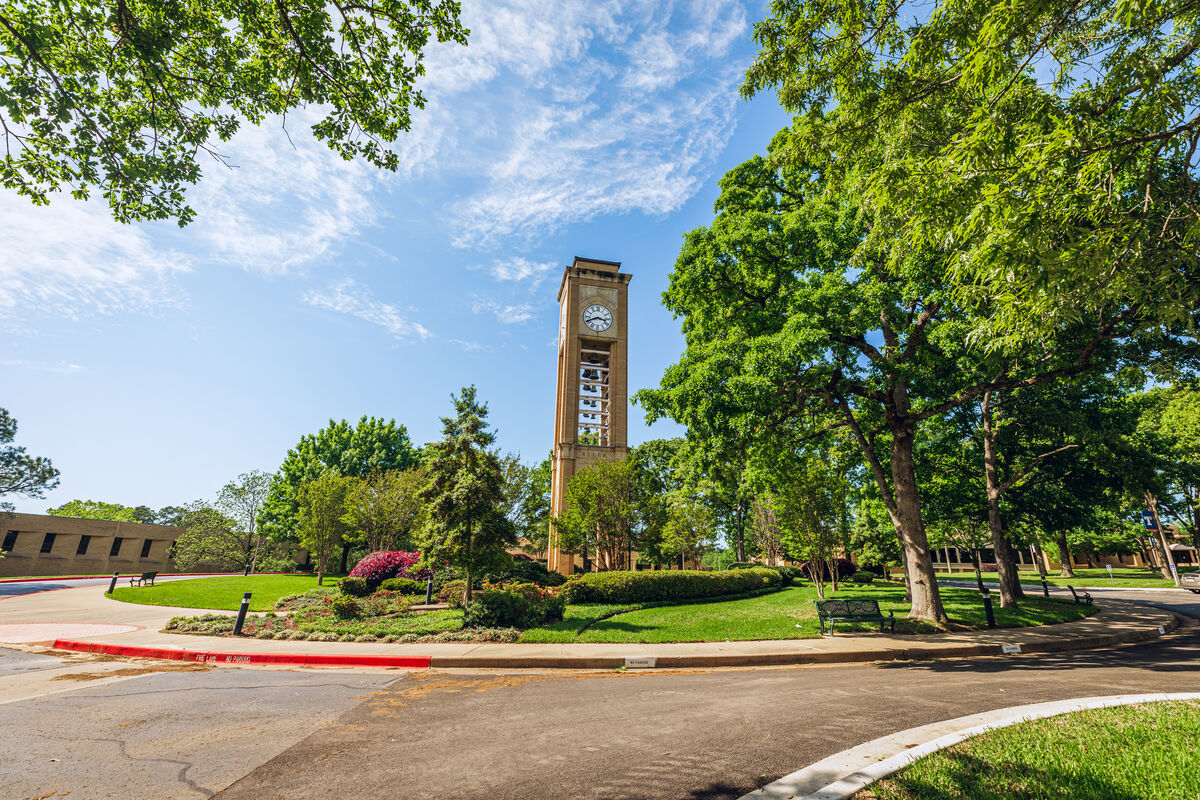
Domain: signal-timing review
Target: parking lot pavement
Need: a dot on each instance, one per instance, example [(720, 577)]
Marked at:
[(114, 728)]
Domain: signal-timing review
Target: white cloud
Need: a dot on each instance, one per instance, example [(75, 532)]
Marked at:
[(287, 201), (507, 314), (347, 297), (71, 259), (519, 269), (41, 366), (559, 111)]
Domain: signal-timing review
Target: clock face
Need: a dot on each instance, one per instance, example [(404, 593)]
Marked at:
[(597, 317)]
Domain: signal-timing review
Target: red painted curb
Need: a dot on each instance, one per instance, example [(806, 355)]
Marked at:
[(208, 657)]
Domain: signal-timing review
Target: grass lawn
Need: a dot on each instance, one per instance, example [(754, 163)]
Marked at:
[(1127, 577), (223, 594), (787, 614), (1143, 751)]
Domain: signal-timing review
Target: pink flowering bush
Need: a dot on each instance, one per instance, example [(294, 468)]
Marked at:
[(375, 568)]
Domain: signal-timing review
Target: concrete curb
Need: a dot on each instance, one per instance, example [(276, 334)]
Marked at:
[(484, 661), (245, 659), (891, 754)]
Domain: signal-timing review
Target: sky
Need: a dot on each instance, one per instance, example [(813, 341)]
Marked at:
[(153, 364)]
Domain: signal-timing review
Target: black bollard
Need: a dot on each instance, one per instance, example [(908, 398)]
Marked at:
[(112, 585), (247, 572), (429, 590), (241, 617), (1045, 587), (987, 609)]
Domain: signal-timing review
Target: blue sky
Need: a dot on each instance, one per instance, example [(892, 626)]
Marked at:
[(152, 364)]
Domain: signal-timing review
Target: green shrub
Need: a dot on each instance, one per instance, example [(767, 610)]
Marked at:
[(523, 571), (354, 587), (522, 605), (345, 607), (500, 609), (402, 585), (741, 565), (648, 586), (863, 577)]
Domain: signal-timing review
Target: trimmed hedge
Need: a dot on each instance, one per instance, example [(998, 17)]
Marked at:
[(403, 585), (353, 586), (523, 605), (649, 586)]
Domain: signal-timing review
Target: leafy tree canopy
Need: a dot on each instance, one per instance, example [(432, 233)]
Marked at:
[(1047, 147), (127, 98), (95, 509), (349, 450)]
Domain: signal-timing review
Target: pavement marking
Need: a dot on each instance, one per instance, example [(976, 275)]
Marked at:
[(843, 774)]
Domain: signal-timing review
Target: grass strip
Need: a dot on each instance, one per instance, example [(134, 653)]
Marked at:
[(1122, 753)]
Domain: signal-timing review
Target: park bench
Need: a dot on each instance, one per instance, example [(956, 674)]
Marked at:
[(852, 609), (147, 579), (1080, 596)]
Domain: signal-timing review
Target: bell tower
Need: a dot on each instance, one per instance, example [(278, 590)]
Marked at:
[(590, 416)]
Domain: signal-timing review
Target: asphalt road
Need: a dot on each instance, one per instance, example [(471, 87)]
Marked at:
[(16, 589), (328, 734)]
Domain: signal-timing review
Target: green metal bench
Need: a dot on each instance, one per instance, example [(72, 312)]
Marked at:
[(852, 609), (1081, 597), (147, 579)]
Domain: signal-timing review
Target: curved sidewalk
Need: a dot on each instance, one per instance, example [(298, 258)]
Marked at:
[(54, 618)]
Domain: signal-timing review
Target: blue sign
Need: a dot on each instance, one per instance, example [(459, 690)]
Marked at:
[(1148, 518)]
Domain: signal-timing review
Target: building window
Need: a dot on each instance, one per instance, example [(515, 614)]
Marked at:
[(146, 548), (10, 541), (84, 541), (48, 543), (116, 548)]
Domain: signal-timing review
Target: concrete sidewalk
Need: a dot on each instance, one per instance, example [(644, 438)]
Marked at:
[(58, 615)]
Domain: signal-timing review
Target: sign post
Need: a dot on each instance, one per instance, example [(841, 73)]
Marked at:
[(1110, 575)]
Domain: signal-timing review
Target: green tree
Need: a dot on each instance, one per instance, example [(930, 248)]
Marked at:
[(599, 515), (527, 502), (349, 450), (792, 333), (241, 500), (1049, 148), (813, 493), (322, 506), (467, 527), (657, 473), (1178, 424), (94, 509), (20, 473), (211, 538), (872, 535), (690, 531), (385, 510), (129, 97)]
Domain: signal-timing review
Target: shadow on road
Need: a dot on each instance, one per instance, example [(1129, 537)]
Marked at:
[(1174, 654)]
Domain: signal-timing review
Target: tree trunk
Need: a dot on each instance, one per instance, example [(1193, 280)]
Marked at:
[(345, 558), (1064, 556), (739, 515), (926, 600), (1160, 539), (1005, 568), (978, 568)]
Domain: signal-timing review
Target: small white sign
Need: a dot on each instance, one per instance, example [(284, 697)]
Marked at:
[(1109, 568), (639, 662), (1010, 649), (1161, 630)]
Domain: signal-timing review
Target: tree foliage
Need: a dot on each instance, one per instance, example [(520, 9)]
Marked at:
[(467, 527), (1047, 148), (94, 509), (321, 503), (599, 517), (349, 450), (385, 510), (128, 98), (21, 474)]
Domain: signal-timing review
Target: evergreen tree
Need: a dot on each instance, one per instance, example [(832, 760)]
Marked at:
[(467, 527)]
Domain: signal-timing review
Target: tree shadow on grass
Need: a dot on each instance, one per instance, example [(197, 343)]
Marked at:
[(968, 777)]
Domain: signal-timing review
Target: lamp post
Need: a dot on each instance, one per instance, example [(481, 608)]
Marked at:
[(987, 609), (241, 617)]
